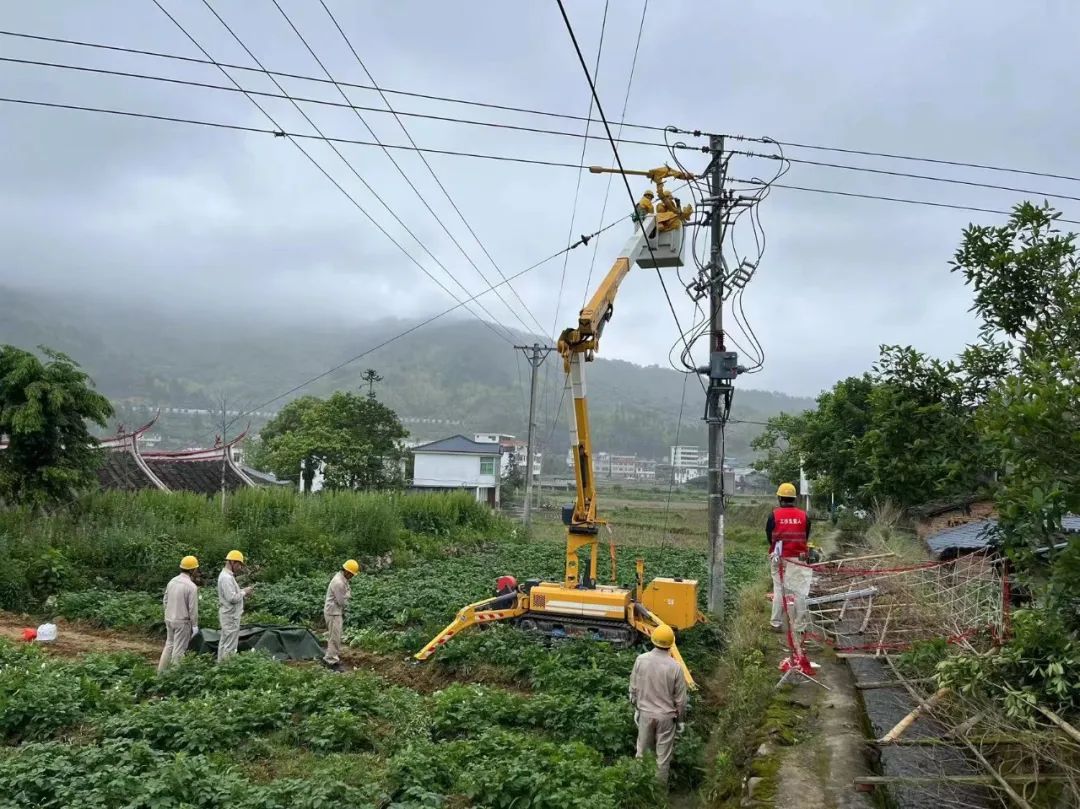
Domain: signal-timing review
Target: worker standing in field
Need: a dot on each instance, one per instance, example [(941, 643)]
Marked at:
[(181, 603), (230, 604), (338, 594), (658, 694), (787, 530)]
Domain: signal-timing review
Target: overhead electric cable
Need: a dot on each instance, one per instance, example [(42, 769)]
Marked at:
[(581, 171), (348, 163), (528, 111), (279, 133), (622, 170), (427, 165), (301, 77), (912, 158), (308, 100), (397, 166), (907, 175), (622, 122), (835, 192), (426, 321)]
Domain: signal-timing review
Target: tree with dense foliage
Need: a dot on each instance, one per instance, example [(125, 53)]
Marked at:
[(355, 439), (1026, 277), (44, 410)]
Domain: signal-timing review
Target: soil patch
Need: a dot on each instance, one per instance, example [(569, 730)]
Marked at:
[(74, 639)]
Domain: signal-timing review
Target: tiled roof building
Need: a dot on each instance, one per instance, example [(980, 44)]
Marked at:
[(127, 468)]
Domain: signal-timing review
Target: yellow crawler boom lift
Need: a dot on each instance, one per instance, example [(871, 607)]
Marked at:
[(578, 605)]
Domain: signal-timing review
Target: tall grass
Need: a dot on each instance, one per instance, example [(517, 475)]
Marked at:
[(134, 541)]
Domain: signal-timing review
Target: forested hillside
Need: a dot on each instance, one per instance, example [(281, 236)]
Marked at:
[(453, 376)]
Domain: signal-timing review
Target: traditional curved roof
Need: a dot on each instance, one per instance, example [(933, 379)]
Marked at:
[(127, 468)]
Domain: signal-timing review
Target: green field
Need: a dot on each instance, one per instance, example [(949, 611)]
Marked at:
[(497, 719)]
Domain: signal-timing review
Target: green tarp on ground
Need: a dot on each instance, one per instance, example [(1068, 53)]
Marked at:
[(280, 642)]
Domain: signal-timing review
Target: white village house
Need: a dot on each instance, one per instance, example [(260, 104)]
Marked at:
[(459, 463)]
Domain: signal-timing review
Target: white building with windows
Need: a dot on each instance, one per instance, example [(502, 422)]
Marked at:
[(459, 463)]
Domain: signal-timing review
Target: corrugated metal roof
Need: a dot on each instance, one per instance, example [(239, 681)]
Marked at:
[(975, 535), (459, 443)]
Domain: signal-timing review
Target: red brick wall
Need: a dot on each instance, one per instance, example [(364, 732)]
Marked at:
[(959, 516)]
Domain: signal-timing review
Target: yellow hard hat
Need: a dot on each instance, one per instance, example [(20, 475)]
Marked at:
[(189, 563), (663, 637), (352, 566), (787, 490), (234, 556)]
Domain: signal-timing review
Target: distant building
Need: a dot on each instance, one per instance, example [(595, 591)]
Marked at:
[(688, 463), (127, 467), (458, 463), (645, 470)]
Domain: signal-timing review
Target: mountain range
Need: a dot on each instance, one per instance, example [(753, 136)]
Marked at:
[(452, 376)]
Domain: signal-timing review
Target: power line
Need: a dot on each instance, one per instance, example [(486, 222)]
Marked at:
[(281, 133), (426, 321), (423, 159), (523, 110), (906, 200), (622, 170), (894, 156), (348, 165), (308, 100), (622, 121), (400, 171), (581, 171), (886, 172), (301, 77)]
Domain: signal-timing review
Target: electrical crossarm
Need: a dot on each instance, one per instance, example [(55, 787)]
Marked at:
[(579, 605)]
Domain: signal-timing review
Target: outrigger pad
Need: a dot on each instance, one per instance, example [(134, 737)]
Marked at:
[(280, 642)]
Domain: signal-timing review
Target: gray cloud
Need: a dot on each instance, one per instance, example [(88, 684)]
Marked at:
[(192, 216)]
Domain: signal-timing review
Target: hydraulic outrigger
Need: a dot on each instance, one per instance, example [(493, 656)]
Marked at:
[(578, 605)]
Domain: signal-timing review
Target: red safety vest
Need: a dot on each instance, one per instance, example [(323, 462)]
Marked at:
[(789, 527)]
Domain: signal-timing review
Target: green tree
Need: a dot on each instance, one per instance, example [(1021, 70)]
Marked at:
[(44, 409), (286, 466), (356, 439), (1026, 277)]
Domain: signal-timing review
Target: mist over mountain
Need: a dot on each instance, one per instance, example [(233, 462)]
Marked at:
[(451, 376)]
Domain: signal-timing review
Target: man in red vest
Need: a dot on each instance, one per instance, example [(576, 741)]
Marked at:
[(788, 530)]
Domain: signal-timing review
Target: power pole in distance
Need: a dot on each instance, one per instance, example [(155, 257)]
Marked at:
[(722, 371), (371, 377), (535, 354)]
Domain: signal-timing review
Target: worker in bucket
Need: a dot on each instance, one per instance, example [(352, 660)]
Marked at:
[(787, 530), (181, 612), (230, 604), (658, 694), (338, 594)]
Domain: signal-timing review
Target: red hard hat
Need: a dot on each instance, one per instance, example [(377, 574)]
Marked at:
[(29, 635), (505, 583)]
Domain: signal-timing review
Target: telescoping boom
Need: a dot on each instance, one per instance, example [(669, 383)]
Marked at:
[(580, 605)]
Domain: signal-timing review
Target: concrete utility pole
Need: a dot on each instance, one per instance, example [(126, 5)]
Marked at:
[(722, 371), (535, 354)]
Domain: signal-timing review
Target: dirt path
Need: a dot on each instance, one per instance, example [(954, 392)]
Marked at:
[(74, 639)]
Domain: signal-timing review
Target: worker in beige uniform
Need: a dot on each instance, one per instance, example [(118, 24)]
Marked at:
[(230, 604), (181, 603), (338, 594), (658, 694)]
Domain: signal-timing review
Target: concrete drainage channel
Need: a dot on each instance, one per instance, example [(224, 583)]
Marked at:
[(915, 770)]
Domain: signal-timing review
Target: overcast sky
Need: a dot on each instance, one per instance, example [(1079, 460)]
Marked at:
[(187, 216)]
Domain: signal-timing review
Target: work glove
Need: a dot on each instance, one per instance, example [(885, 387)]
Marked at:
[(680, 728), (637, 716), (194, 631)]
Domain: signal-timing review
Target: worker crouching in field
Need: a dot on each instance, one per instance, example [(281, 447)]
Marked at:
[(181, 612), (338, 594), (787, 530), (658, 694), (230, 604)]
